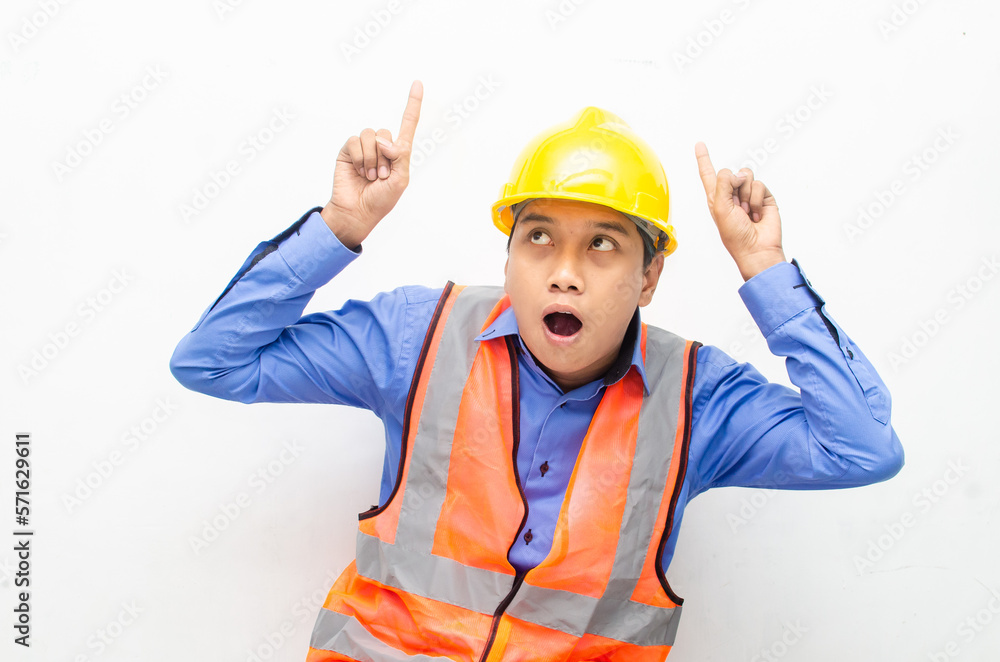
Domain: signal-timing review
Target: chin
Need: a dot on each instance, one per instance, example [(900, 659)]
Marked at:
[(566, 364)]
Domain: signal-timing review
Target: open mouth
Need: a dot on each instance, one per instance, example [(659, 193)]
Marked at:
[(562, 324)]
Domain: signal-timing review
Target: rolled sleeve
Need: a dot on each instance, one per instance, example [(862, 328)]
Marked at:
[(253, 345)]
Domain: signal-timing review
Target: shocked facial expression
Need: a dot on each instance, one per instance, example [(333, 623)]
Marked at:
[(574, 275)]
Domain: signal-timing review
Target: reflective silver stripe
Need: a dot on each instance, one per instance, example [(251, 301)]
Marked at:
[(620, 619), (429, 576), (615, 615), (475, 589), (408, 564), (635, 622), (427, 479), (328, 624), (343, 634), (664, 366)]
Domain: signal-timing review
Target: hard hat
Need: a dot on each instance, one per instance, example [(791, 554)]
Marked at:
[(594, 157)]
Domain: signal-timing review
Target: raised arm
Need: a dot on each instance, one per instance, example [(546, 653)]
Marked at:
[(836, 430), (253, 345)]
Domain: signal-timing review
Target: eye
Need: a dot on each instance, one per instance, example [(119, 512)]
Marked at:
[(539, 237), (602, 244)]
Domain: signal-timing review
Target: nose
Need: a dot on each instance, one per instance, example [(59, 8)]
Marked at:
[(566, 275)]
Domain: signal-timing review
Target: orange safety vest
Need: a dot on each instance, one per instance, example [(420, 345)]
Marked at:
[(431, 579)]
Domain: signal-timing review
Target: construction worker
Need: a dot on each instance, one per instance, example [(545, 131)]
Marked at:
[(541, 440)]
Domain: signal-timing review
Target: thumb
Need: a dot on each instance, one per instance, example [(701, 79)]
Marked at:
[(392, 151), (725, 184)]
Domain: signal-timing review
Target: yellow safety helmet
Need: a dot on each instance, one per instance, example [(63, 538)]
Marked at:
[(595, 157)]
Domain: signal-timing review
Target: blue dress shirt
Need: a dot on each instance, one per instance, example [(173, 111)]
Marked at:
[(253, 345)]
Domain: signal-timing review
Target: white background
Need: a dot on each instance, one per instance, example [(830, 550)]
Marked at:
[(817, 568)]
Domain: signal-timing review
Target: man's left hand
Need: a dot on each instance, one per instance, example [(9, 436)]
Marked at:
[(745, 213)]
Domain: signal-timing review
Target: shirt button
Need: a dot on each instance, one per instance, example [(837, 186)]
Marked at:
[(544, 467), (528, 536)]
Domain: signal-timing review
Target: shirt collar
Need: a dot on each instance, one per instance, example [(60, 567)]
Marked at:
[(629, 355)]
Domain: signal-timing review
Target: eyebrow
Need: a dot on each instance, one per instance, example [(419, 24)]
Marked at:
[(611, 226)]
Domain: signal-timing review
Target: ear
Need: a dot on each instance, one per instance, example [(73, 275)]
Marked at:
[(505, 264), (650, 279)]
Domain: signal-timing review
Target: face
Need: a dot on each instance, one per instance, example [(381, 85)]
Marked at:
[(575, 276)]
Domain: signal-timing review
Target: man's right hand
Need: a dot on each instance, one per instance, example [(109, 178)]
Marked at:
[(371, 173)]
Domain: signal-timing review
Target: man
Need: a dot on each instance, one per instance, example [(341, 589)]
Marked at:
[(542, 441)]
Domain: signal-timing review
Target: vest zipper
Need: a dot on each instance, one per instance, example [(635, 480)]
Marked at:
[(515, 417), (498, 614), (410, 396), (686, 412)]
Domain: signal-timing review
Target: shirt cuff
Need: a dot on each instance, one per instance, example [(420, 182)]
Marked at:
[(313, 251), (778, 294)]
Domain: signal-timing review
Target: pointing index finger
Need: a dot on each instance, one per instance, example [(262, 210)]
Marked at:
[(408, 127), (705, 168)]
